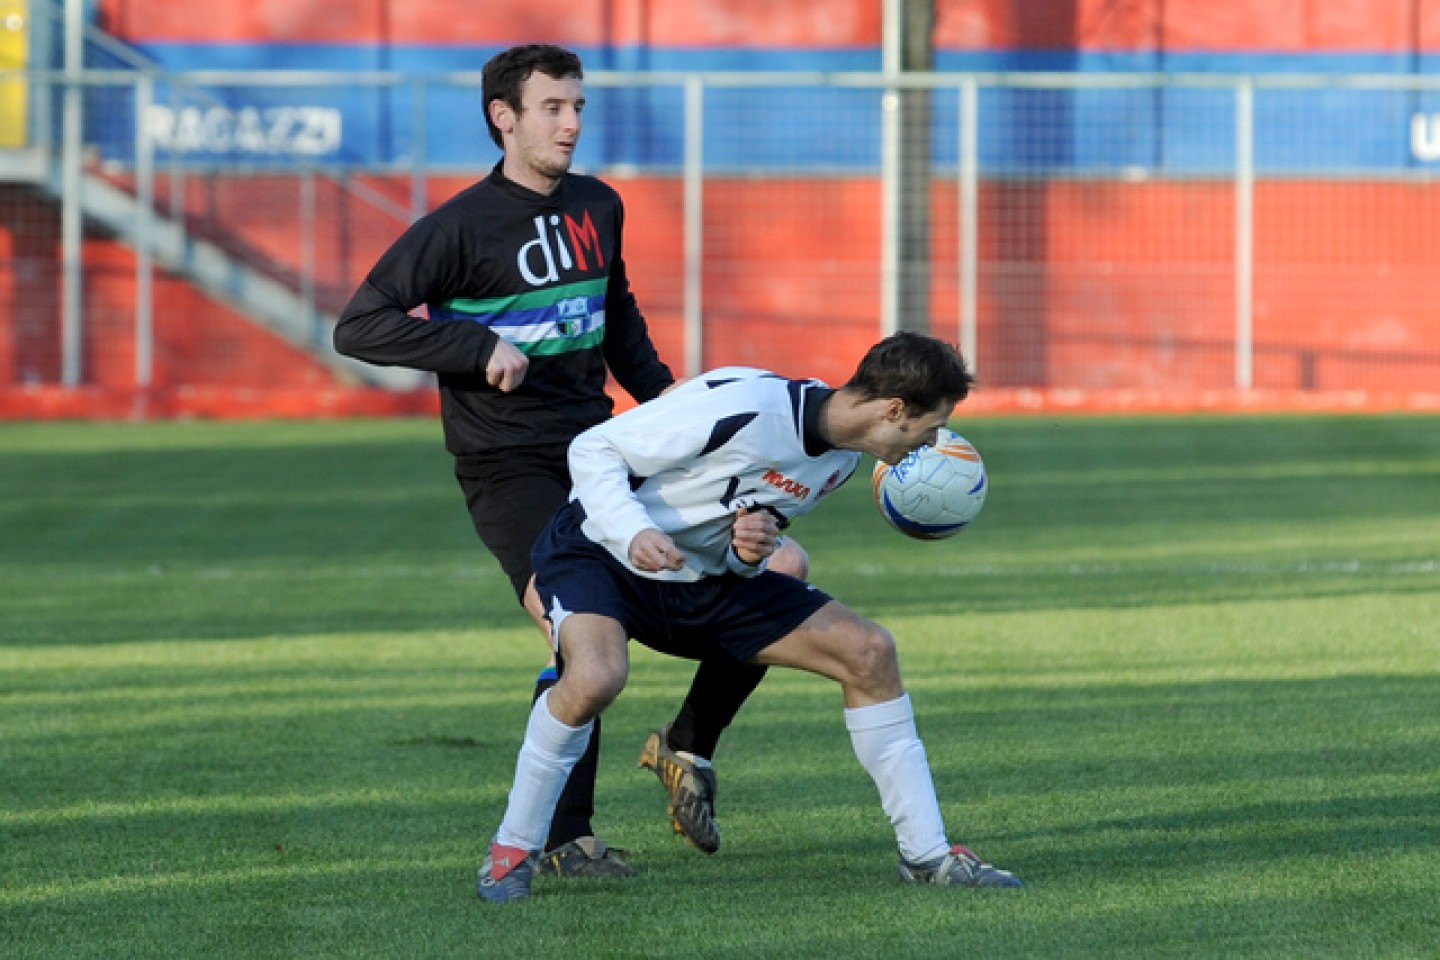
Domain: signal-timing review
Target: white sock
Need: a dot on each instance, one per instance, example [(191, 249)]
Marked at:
[(890, 750), (550, 752)]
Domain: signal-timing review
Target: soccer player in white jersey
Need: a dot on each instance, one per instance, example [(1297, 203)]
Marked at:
[(678, 505)]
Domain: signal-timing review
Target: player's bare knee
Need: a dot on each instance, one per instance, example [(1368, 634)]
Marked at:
[(585, 690), (791, 560), (599, 678), (872, 657), (608, 683), (597, 664)]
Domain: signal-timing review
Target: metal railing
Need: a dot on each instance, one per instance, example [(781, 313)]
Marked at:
[(1012, 163)]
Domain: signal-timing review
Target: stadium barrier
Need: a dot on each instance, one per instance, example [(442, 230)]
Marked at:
[(1095, 241)]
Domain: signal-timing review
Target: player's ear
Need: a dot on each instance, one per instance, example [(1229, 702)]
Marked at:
[(501, 115), (894, 410)]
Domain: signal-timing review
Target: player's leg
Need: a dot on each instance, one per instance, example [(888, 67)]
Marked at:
[(681, 753), (511, 498), (721, 684), (861, 656), (836, 642), (556, 736)]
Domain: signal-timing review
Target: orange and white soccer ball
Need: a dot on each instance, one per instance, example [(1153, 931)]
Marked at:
[(934, 492)]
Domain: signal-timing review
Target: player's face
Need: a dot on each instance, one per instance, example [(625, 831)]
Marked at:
[(540, 139), (901, 431)]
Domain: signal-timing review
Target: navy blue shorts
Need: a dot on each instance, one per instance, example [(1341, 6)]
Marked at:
[(729, 614)]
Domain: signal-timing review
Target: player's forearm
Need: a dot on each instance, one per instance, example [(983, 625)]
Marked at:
[(376, 330), (602, 485), (629, 352)]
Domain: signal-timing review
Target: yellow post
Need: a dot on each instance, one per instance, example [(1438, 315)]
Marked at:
[(14, 55)]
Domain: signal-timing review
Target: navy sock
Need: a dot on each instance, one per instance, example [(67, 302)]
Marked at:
[(720, 688)]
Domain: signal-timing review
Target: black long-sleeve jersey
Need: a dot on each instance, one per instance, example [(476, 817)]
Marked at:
[(546, 273)]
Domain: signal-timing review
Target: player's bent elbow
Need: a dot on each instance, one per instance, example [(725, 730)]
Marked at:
[(342, 339), (350, 339)]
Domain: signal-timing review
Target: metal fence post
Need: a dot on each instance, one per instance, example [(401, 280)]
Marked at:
[(1244, 234), (144, 238), (694, 225), (419, 176), (178, 207), (308, 214), (890, 56), (969, 218), (71, 227), (890, 211)]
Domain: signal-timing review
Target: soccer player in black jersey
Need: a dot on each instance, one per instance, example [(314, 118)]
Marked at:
[(529, 308)]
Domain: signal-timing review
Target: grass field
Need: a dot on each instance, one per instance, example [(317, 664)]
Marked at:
[(261, 692)]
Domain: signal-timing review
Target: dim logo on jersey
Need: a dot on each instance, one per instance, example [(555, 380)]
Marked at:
[(544, 259)]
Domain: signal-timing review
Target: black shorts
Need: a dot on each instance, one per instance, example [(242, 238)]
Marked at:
[(511, 495), (733, 615)]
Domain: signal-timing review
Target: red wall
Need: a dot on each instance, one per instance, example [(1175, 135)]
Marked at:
[(1085, 286), (200, 345), (1088, 284), (736, 23), (1273, 26), (29, 288), (1267, 26)]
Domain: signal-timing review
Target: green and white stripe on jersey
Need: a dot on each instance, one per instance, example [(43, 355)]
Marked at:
[(554, 320)]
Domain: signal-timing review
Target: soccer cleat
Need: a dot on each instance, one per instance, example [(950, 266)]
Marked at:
[(690, 782), (506, 874), (586, 857), (958, 868)]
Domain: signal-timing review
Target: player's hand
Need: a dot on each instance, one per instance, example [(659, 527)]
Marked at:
[(653, 551), (507, 367), (755, 536)]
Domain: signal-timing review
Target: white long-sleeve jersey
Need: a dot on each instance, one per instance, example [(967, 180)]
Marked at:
[(687, 461)]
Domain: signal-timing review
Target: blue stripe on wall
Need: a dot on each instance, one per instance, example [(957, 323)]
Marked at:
[(1174, 131)]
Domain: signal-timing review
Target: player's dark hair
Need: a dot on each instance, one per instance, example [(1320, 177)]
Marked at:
[(507, 72), (922, 371)]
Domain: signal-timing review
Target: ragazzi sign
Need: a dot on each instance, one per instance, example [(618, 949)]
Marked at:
[(268, 131)]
